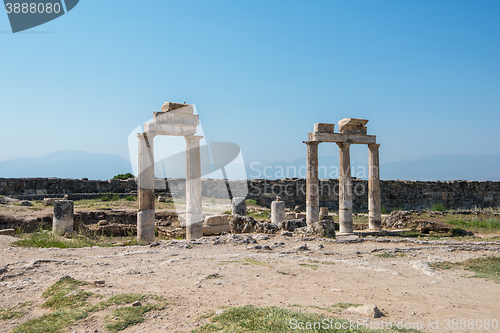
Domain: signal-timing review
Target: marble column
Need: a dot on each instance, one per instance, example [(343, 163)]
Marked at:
[(345, 189), (194, 214), (312, 183), (146, 189), (374, 209)]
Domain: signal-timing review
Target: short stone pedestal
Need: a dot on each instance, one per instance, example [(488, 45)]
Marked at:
[(239, 206), (323, 213), (63, 217), (278, 212)]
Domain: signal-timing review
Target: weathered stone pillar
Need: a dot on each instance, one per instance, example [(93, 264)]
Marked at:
[(312, 183), (239, 206), (63, 217), (323, 213), (278, 212), (146, 189), (374, 209), (194, 214), (345, 189)]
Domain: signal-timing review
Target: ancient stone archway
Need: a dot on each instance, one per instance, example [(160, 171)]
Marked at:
[(352, 131), (178, 120)]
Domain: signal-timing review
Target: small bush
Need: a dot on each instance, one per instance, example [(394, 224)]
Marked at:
[(123, 176), (383, 210), (131, 198), (437, 207)]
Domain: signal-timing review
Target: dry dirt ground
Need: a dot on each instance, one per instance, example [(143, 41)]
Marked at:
[(329, 271)]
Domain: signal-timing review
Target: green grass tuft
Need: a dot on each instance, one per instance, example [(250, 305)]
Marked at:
[(9, 313), (251, 319), (487, 268), (437, 207), (385, 255), (490, 224), (124, 317)]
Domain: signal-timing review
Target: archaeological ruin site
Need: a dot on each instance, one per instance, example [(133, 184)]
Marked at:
[(195, 254)]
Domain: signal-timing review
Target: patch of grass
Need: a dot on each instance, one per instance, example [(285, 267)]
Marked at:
[(252, 202), (9, 313), (315, 267), (130, 198), (213, 276), (51, 323), (41, 238), (229, 262), (69, 302), (383, 210), (328, 263), (260, 215), (228, 212), (490, 224), (253, 319), (487, 267), (66, 294), (344, 305), (385, 255), (121, 318), (251, 261)]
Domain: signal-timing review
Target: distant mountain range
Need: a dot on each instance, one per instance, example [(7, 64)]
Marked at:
[(81, 164), (66, 164)]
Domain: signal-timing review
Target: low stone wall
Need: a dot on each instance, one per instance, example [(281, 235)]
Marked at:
[(394, 193)]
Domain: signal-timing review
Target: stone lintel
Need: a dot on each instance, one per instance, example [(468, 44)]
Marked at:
[(169, 129), (176, 118), (339, 138)]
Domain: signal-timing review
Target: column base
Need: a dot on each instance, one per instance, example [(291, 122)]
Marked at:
[(194, 226), (146, 226)]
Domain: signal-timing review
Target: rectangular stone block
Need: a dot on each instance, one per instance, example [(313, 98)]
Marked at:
[(324, 128), (301, 215), (291, 216), (216, 220), (176, 118), (215, 229), (169, 129)]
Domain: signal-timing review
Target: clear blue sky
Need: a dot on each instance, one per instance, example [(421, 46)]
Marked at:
[(261, 73)]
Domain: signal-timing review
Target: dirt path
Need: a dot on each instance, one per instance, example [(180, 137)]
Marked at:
[(330, 271)]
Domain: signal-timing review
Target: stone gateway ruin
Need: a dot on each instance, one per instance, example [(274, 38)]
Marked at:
[(352, 131), (174, 119)]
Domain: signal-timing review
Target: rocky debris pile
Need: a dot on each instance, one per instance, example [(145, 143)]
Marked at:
[(322, 229), (175, 233), (234, 239), (410, 220), (247, 224)]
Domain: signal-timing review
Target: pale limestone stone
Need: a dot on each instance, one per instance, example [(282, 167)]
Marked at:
[(215, 229), (176, 118), (217, 220), (239, 206), (62, 221), (194, 215), (155, 129), (324, 128), (353, 126), (278, 212), (374, 204), (177, 108), (345, 189), (339, 137), (312, 183)]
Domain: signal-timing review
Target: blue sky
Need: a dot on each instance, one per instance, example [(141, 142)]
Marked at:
[(261, 73)]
